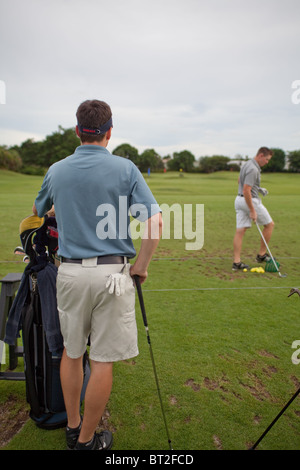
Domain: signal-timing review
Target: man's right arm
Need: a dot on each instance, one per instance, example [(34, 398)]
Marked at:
[(248, 199), (43, 202), (150, 240)]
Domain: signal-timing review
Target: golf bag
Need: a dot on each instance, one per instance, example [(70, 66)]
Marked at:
[(42, 368), (34, 311)]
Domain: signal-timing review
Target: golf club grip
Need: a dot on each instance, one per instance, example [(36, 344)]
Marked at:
[(141, 300)]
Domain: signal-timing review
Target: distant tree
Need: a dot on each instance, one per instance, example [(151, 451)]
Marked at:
[(182, 160), (277, 162), (59, 145), (54, 147), (294, 161), (127, 151), (214, 163), (150, 159), (30, 152), (10, 159)]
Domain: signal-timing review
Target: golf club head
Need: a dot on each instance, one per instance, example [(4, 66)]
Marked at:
[(19, 250), (282, 275)]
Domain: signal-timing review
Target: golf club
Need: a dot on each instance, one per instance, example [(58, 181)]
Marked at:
[(141, 300), (19, 250), (275, 419), (261, 234), (292, 291)]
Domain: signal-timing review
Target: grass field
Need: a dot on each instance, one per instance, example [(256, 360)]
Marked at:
[(222, 340)]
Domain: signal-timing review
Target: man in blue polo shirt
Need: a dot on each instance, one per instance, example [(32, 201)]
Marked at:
[(249, 207), (94, 193)]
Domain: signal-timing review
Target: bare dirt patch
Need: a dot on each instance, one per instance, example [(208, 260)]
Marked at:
[(269, 370), (211, 384), (265, 353), (257, 388), (173, 400), (217, 442), (105, 422), (191, 383), (13, 416), (296, 381), (257, 419)]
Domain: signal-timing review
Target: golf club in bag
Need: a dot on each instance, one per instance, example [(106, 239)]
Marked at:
[(141, 300), (264, 240)]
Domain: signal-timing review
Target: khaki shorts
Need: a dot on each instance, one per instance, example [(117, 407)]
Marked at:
[(86, 309), (243, 219)]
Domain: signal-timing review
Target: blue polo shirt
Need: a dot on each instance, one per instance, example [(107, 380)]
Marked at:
[(94, 193)]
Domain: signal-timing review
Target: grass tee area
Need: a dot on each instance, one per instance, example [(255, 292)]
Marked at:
[(222, 340)]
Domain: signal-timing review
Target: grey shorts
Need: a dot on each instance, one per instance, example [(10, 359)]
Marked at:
[(243, 219), (87, 309)]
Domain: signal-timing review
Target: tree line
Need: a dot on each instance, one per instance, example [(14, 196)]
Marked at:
[(35, 157)]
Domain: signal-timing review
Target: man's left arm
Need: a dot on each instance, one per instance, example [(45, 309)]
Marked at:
[(43, 202), (34, 209), (50, 213)]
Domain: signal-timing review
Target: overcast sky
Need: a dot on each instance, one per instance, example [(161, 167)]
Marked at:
[(209, 76)]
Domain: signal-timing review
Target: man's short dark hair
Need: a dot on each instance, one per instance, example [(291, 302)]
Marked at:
[(265, 151), (92, 114)]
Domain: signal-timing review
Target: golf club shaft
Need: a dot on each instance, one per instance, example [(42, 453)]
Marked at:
[(275, 419), (261, 234), (141, 300)]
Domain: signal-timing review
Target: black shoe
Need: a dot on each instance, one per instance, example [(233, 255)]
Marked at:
[(100, 441), (72, 435), (239, 265), (262, 258)]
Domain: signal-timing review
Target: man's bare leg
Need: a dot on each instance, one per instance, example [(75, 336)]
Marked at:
[(237, 244), (96, 397), (71, 377)]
